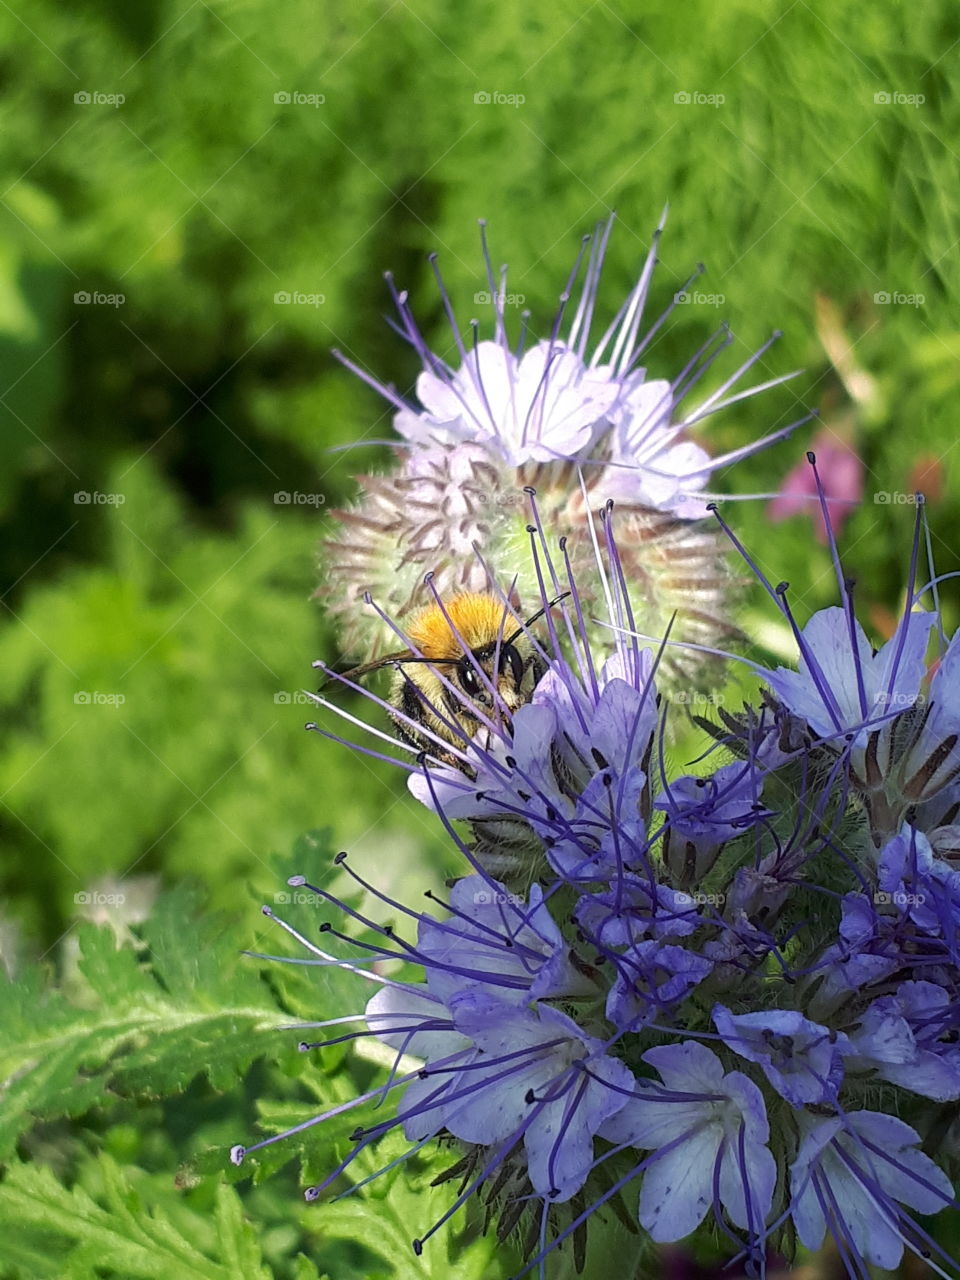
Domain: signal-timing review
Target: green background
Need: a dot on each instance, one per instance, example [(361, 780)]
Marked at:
[(182, 587)]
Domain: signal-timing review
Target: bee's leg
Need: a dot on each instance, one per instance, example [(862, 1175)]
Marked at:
[(533, 672), (453, 706), (413, 708), (409, 709)]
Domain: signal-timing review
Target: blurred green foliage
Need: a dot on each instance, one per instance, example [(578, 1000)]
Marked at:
[(210, 189)]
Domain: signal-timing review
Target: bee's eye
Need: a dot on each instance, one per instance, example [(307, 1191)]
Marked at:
[(468, 677), (510, 654)]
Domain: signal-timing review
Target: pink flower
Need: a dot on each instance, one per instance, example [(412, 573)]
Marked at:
[(841, 472)]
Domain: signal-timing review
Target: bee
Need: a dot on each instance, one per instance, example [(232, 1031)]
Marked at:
[(489, 671)]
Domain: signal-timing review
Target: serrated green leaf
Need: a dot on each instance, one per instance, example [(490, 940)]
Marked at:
[(114, 1234), (238, 1241), (132, 1026), (399, 1206)]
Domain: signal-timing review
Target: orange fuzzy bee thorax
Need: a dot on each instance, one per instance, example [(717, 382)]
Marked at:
[(478, 619)]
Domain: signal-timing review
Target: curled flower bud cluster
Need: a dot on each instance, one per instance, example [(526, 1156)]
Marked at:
[(729, 998), (577, 416)]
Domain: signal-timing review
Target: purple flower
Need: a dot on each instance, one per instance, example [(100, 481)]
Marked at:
[(571, 397), (933, 761), (634, 908), (703, 813), (652, 977), (864, 953), (922, 888), (494, 785), (801, 1059), (708, 1133), (849, 1175), (842, 687), (867, 703), (607, 720), (569, 765), (507, 1074), (497, 940), (411, 1020), (910, 1040), (542, 404), (811, 884), (605, 833)]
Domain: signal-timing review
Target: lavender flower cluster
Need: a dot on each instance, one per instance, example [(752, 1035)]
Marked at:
[(726, 987), (728, 998)]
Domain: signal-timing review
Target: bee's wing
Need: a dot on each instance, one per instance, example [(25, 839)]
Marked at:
[(388, 659)]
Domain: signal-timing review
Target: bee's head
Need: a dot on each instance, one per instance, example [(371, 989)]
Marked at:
[(509, 667), (466, 663)]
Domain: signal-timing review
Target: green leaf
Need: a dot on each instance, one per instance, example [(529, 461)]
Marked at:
[(390, 1212), (306, 1269), (144, 1027), (71, 1234)]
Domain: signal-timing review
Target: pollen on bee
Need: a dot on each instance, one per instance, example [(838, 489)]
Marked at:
[(478, 619)]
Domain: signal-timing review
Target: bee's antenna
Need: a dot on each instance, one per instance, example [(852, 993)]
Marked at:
[(537, 616)]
